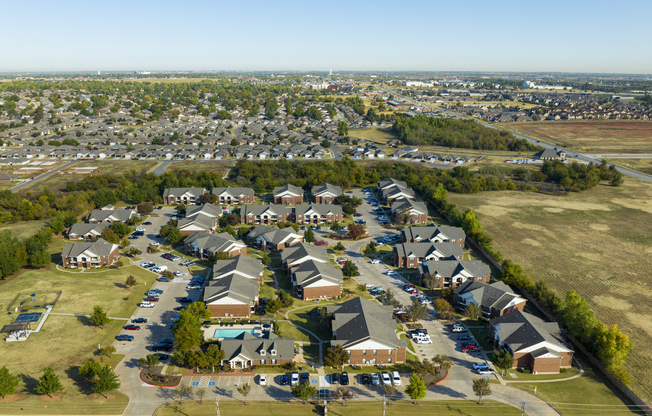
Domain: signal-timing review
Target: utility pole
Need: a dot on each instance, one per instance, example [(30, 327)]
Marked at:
[(522, 408), (384, 405), (217, 405)]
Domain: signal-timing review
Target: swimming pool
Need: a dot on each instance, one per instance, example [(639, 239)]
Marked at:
[(231, 333)]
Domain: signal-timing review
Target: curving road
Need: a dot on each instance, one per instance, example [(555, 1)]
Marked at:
[(42, 176)]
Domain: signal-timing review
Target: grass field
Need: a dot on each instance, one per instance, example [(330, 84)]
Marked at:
[(597, 243), (374, 134), (353, 408), (118, 167), (24, 229), (219, 166), (641, 165), (64, 342), (599, 136)]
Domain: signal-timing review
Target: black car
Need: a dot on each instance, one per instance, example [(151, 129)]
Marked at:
[(178, 308), (423, 331), (305, 378), (335, 378), (185, 300), (166, 341), (147, 223), (161, 356), (365, 379), (124, 337), (139, 320), (162, 347), (345, 379), (285, 380)]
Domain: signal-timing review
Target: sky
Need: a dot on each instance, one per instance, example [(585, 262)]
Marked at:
[(142, 35)]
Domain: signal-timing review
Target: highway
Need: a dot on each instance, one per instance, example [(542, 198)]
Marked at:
[(41, 177)]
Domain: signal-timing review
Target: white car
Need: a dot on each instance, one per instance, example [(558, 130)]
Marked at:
[(480, 366), (396, 378), (387, 380), (294, 380), (485, 371), (369, 285), (262, 380), (422, 339), (141, 229), (383, 218), (391, 273), (146, 304), (375, 261), (154, 244)]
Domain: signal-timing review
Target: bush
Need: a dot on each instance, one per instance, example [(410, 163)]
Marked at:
[(563, 370), (321, 243)]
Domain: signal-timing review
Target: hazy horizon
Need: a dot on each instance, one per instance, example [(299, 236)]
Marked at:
[(570, 37)]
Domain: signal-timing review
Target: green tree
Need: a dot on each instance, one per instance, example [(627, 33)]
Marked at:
[(8, 382), (612, 346), (187, 331), (578, 317), (481, 388), (425, 368), (443, 361), (309, 236), (107, 381), (416, 389), (199, 311), (441, 306), (350, 270), (121, 229), (39, 258), (472, 311), (370, 248), (342, 128), (325, 144), (336, 356), (389, 390), (90, 369), (417, 311), (99, 317), (303, 391), (264, 258), (109, 235), (271, 105), (174, 236), (245, 389), (340, 246), (503, 361), (145, 207), (49, 382)]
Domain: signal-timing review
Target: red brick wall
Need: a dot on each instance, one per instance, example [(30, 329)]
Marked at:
[(520, 307), (109, 260), (310, 293), (323, 199), (218, 311), (382, 356), (269, 361), (288, 200)]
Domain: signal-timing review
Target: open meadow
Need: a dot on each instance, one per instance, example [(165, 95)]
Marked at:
[(66, 341), (592, 136), (597, 242), (219, 166)]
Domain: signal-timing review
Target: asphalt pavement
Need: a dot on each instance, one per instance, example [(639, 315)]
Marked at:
[(42, 176)]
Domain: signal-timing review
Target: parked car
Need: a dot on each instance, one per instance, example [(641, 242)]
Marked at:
[(470, 348), (161, 356), (458, 329), (387, 380), (163, 279), (485, 371), (324, 394), (151, 299), (396, 378), (480, 365), (147, 223), (139, 320), (375, 379), (146, 305), (124, 337), (422, 339), (464, 337), (262, 380), (185, 300), (132, 327), (294, 379), (344, 379), (375, 261), (305, 378), (285, 380), (365, 379), (335, 378), (166, 341), (162, 347)]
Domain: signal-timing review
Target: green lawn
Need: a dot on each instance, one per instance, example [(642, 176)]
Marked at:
[(24, 229), (287, 330), (586, 395), (480, 335), (409, 342), (570, 372), (353, 408), (311, 353), (302, 318)]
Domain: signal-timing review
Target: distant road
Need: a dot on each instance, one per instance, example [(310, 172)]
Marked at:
[(41, 177), (160, 169)]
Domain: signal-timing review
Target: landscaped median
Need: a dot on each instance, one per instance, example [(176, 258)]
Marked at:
[(352, 408)]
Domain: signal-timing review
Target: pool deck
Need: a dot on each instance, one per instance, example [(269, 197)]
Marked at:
[(209, 331)]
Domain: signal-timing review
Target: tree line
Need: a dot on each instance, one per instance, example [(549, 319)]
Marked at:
[(465, 134)]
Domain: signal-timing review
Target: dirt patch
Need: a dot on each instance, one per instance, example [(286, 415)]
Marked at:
[(600, 227), (528, 226), (644, 206), (531, 242), (494, 210), (554, 210), (12, 398), (612, 303), (55, 397), (641, 321), (590, 256)]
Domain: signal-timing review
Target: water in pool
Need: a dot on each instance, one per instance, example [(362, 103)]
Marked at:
[(231, 333)]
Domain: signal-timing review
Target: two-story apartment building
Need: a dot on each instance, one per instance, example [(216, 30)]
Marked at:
[(433, 234), (299, 253), (315, 280), (232, 296), (247, 350), (203, 245), (325, 193), (265, 214), (410, 255), (234, 196), (110, 215), (288, 195), (367, 331), (273, 239), (86, 231), (90, 254), (318, 214), (410, 211), (453, 273), (186, 196), (495, 299)]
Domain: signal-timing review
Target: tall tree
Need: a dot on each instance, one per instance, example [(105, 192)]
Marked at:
[(309, 236), (503, 360), (245, 389), (350, 270), (303, 391), (8, 382), (99, 317), (107, 381), (199, 311), (336, 356), (416, 389), (49, 382), (481, 388), (90, 369), (578, 317), (612, 345), (472, 311), (417, 311)]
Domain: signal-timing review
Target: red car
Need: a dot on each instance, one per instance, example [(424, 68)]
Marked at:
[(151, 299), (470, 348), (132, 327)]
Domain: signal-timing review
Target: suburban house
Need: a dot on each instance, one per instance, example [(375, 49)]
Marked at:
[(453, 273), (534, 343), (389, 182), (272, 238), (433, 234), (265, 214), (234, 196), (325, 193), (550, 154), (246, 350), (203, 245), (86, 231), (416, 212), (91, 254), (395, 192), (186, 196), (207, 210), (110, 215), (200, 218), (241, 265), (7, 177), (367, 331), (410, 255), (295, 255), (317, 214), (496, 299), (315, 280), (232, 296), (288, 195)]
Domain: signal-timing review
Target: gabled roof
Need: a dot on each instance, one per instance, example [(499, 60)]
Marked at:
[(121, 214), (275, 235), (496, 295), (521, 330), (177, 192), (234, 286), (209, 210), (431, 232), (300, 251), (408, 204), (271, 209), (242, 265), (249, 346), (311, 272), (441, 250), (97, 248), (233, 192), (319, 209), (202, 222), (212, 242), (388, 182), (359, 319), (394, 191), (289, 189), (85, 229), (450, 268), (326, 188)]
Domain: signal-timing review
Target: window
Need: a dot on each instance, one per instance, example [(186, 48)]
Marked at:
[(375, 352), (273, 352), (364, 352), (262, 352), (389, 361), (349, 351), (262, 362), (364, 361), (389, 352), (274, 361)]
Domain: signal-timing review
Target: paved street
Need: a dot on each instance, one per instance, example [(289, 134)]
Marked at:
[(42, 176)]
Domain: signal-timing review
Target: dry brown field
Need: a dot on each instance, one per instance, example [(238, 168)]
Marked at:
[(597, 242)]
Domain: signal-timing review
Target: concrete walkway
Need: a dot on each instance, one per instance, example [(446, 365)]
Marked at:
[(87, 316)]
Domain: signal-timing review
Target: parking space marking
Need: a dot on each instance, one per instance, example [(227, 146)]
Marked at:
[(203, 382), (228, 381)]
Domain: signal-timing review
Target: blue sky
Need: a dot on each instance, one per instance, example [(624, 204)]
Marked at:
[(572, 35)]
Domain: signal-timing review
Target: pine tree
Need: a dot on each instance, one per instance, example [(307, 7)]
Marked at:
[(106, 382), (49, 382), (8, 382)]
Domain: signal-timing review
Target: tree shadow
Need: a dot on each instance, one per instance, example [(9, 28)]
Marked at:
[(439, 389), (82, 384), (223, 392), (30, 383), (84, 320), (121, 285)]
